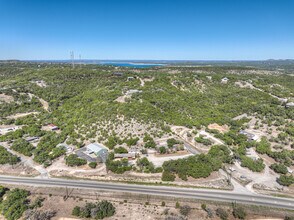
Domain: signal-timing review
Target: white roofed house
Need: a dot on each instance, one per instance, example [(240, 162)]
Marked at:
[(290, 105), (224, 80)]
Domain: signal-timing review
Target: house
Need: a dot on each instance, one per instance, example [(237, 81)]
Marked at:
[(209, 77), (126, 155), (32, 139), (130, 78), (117, 74), (96, 150), (224, 80), (290, 105), (250, 137), (53, 127)]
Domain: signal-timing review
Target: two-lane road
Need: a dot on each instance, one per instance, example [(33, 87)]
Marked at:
[(202, 194)]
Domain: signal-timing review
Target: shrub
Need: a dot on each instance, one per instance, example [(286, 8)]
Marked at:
[(73, 160), (254, 165), (168, 176), (222, 214), (239, 212), (162, 150), (203, 206), (120, 150), (23, 147), (185, 210), (171, 142), (285, 180), (93, 165), (99, 210), (7, 157), (279, 168), (15, 204)]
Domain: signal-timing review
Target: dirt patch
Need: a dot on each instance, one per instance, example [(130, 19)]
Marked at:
[(221, 129), (19, 169), (122, 99), (6, 98), (135, 206), (20, 115), (44, 103)]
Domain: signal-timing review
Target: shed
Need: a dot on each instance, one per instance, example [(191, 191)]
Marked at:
[(224, 80), (117, 74)]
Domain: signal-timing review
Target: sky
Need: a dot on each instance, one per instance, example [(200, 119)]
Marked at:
[(147, 29)]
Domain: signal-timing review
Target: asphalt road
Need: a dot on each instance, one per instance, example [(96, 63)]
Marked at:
[(202, 194)]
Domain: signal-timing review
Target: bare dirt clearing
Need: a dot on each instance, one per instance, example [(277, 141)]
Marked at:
[(6, 98), (222, 129), (20, 115)]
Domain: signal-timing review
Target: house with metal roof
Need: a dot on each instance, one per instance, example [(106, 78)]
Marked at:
[(98, 151)]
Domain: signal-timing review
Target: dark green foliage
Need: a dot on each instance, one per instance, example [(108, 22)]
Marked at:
[(112, 142), (131, 141), (168, 176), (76, 211), (279, 168), (251, 164), (118, 166), (98, 210), (239, 212), (162, 150), (15, 204), (222, 214), (149, 142), (263, 147), (12, 135), (185, 210), (120, 150), (202, 140), (47, 149), (171, 142), (146, 166), (3, 190), (23, 147), (7, 158), (199, 166), (93, 165), (73, 160), (285, 180)]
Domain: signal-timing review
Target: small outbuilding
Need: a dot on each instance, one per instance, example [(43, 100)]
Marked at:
[(53, 127), (117, 74), (224, 80)]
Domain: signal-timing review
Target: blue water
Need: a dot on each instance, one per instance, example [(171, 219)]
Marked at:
[(132, 65)]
